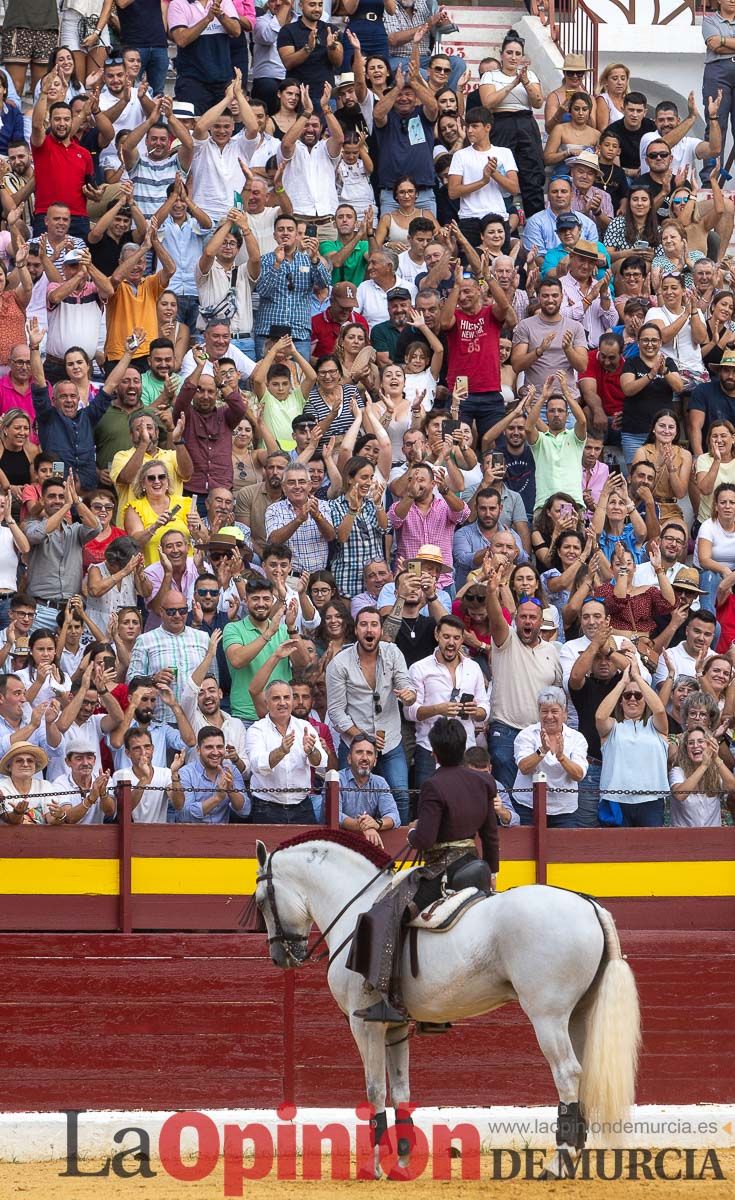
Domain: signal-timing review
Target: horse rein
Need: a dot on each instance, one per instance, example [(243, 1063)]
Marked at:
[(287, 941)]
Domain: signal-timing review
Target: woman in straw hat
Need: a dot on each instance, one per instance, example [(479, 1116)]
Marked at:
[(25, 799), (575, 71)]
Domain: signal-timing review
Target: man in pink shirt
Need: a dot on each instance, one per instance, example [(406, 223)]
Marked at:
[(422, 518), (202, 34), (15, 388)]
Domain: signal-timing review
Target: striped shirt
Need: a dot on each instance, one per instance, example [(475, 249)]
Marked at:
[(310, 549), (285, 294), (435, 528), (159, 650), (151, 177)]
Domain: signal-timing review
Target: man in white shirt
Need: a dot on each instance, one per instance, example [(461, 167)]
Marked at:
[(309, 177), (447, 684), (412, 262), (481, 175), (688, 657), (591, 619), (282, 749), (206, 710), (372, 293), (153, 787), (684, 150), (551, 746), (218, 344), (125, 106), (216, 174), (87, 800), (25, 797)]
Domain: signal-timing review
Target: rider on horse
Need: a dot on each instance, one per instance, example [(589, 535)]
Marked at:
[(455, 806)]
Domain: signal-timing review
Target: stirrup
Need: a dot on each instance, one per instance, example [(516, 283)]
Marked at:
[(382, 1012), (431, 1027)]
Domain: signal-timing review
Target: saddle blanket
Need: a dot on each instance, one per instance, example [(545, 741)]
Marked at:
[(444, 913)]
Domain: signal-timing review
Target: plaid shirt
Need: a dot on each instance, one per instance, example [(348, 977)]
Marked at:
[(364, 544), (281, 304), (181, 652), (309, 548), (409, 18), (435, 528)]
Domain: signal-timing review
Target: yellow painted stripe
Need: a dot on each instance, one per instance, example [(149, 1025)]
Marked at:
[(59, 877), (193, 876), (645, 878), (515, 873)]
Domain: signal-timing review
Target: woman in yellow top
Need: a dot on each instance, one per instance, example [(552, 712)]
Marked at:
[(151, 512)]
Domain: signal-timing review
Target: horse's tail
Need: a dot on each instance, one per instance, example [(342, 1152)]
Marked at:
[(612, 1038)]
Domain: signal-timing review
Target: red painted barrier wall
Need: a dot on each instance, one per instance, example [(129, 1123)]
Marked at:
[(167, 1021)]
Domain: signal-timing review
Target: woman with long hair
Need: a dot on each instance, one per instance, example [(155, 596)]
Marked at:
[(715, 680), (673, 256), (322, 589), (560, 513), (699, 781), (78, 369), (17, 454), (16, 288), (149, 515), (636, 608), (714, 553), (636, 232), (616, 520), (633, 727), (43, 679), (169, 326), (378, 74), (62, 63), (720, 330), (246, 466), (125, 627), (288, 107), (392, 231), (670, 460), (567, 139), (571, 551), (649, 381), (361, 522), (336, 631), (356, 355), (524, 582), (512, 93), (612, 88), (716, 466), (674, 692)]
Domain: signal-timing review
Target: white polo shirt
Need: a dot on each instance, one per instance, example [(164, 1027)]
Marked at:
[(216, 175)]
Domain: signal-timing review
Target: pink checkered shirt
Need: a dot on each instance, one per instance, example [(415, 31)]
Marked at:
[(436, 528)]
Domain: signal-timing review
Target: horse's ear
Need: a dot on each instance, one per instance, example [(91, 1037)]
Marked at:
[(261, 853)]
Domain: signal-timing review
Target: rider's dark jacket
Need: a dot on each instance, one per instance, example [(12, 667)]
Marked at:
[(456, 803)]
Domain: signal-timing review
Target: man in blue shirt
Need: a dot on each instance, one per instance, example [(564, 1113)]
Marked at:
[(212, 789), (710, 401), (288, 277), (366, 803), (540, 230), (406, 115)]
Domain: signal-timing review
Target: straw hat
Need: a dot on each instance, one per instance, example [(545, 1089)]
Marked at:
[(575, 62), (432, 554), (687, 580), (23, 748), (585, 158)]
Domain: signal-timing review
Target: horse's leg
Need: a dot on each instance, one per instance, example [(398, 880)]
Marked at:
[(370, 1039), (552, 1033), (396, 1053)]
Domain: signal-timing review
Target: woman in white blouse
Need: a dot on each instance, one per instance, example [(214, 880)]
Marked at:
[(715, 549), (511, 93)]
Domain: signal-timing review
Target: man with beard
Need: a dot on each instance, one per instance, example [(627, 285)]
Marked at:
[(251, 502), (205, 615), (112, 433), (712, 401), (386, 335), (92, 712), (310, 49), (18, 184), (143, 695), (208, 711), (599, 385), (641, 482), (366, 804), (288, 277), (216, 174), (349, 113), (347, 254), (523, 664), (250, 642), (212, 789), (364, 684), (473, 344), (547, 343), (309, 177), (420, 510), (415, 449), (302, 690), (161, 384), (447, 684), (89, 801), (473, 541), (556, 449), (63, 169), (170, 652), (154, 169), (208, 428)]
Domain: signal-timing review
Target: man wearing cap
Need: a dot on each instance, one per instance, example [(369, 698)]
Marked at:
[(587, 197), (539, 232), (26, 799), (326, 326), (385, 336), (712, 401), (85, 799), (585, 300), (347, 253)]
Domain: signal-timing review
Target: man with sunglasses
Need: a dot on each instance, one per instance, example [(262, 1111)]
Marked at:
[(685, 150), (172, 651), (659, 177)]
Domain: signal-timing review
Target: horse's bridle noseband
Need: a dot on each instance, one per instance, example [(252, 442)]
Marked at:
[(288, 941)]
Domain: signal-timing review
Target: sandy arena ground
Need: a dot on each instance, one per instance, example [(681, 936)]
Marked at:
[(39, 1181)]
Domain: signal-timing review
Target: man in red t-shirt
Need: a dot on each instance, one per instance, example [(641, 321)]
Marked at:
[(63, 169), (325, 326), (473, 347), (599, 385)]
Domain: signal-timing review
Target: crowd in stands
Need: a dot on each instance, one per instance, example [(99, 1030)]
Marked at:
[(335, 398)]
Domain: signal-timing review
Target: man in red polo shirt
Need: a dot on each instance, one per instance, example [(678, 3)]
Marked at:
[(599, 385), (64, 170), (325, 326)]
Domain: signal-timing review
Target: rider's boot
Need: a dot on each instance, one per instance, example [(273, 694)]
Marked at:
[(384, 1012)]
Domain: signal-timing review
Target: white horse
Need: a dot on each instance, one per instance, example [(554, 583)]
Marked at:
[(555, 952)]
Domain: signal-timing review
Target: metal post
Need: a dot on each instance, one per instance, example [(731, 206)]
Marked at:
[(539, 825), (123, 794), (331, 799)]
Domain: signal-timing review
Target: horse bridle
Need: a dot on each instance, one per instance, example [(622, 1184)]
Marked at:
[(289, 940)]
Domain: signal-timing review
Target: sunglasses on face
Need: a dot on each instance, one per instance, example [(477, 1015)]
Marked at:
[(173, 612), (102, 507), (632, 695), (155, 478), (478, 596), (658, 154), (207, 592)]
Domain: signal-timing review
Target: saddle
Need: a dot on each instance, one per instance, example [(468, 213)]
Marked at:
[(444, 913)]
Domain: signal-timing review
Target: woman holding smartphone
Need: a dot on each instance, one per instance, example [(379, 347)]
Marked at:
[(636, 232), (151, 512)]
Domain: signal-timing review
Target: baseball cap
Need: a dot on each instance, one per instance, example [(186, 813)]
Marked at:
[(344, 293), (568, 221), (399, 293)]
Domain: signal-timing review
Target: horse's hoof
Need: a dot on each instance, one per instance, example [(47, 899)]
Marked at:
[(399, 1174)]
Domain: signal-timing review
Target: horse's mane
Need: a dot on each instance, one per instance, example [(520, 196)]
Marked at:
[(342, 837)]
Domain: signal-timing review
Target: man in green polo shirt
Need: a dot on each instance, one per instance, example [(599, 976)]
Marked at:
[(347, 256), (557, 451), (249, 643)]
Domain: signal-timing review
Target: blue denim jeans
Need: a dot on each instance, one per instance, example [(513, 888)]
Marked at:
[(710, 580), (247, 345), (393, 768), (4, 612), (187, 310), (424, 765), (553, 820), (500, 748), (649, 815), (154, 65), (589, 798), (630, 443)]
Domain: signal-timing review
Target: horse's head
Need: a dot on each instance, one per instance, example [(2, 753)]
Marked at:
[(287, 918)]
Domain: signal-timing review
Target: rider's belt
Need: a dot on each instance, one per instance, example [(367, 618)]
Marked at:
[(444, 852)]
